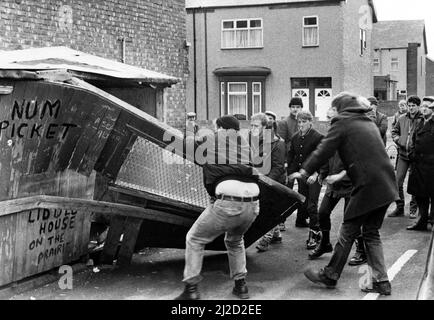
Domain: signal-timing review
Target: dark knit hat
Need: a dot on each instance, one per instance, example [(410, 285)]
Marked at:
[(373, 100), (296, 101), (228, 122)]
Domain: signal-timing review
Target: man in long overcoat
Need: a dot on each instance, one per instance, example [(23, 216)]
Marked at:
[(358, 142)]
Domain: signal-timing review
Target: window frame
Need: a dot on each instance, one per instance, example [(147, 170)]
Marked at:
[(238, 93), (256, 94), (234, 29), (224, 85), (376, 67), (363, 42), (392, 62), (304, 45)]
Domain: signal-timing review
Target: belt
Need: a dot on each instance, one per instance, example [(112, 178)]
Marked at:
[(239, 199)]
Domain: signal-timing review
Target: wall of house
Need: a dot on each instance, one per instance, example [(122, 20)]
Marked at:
[(429, 77), (155, 31), (282, 53), (421, 71), (385, 57), (357, 68)]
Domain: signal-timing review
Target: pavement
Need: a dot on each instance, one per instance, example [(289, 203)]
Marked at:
[(156, 274)]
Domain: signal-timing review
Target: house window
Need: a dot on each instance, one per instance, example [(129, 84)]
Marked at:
[(237, 98), (238, 34), (394, 64), (257, 97), (376, 65), (363, 42), (240, 95), (310, 31)]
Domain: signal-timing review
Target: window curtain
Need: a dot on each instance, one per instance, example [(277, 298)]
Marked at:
[(256, 38), (228, 39), (310, 36), (242, 37)]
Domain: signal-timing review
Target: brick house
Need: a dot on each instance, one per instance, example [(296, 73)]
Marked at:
[(399, 59), (254, 55), (143, 33)]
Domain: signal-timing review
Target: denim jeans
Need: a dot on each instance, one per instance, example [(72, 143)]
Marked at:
[(370, 224), (402, 168), (309, 209), (222, 216)]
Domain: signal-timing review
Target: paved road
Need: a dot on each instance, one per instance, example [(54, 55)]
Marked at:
[(273, 275)]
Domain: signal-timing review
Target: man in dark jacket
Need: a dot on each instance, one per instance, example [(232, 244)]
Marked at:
[(421, 180), (303, 143), (339, 187), (263, 132), (379, 118), (359, 144), (234, 206), (402, 134)]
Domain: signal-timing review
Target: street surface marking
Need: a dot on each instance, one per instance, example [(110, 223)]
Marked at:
[(393, 271)]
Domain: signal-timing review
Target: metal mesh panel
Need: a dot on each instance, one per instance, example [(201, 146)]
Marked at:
[(153, 169)]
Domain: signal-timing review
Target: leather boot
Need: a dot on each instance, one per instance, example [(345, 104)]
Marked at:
[(313, 240), (384, 288), (420, 225), (398, 212), (190, 292), (359, 257), (323, 247), (240, 289), (320, 278)]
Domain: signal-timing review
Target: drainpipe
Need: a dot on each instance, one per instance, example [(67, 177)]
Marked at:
[(206, 64), (194, 60)]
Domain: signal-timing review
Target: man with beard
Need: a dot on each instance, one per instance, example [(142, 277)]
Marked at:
[(359, 144)]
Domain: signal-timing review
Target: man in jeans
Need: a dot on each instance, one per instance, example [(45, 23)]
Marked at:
[(233, 208), (402, 135)]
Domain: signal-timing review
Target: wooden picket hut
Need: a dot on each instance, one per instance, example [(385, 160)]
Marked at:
[(76, 150)]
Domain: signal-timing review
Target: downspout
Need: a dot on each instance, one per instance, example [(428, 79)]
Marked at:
[(194, 60), (206, 65)]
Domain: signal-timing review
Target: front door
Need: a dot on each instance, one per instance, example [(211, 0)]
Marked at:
[(323, 101), (304, 95)]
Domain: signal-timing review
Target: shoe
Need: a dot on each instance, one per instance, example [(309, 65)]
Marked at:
[(320, 250), (398, 212), (418, 226), (413, 215), (190, 292), (313, 240), (263, 245), (301, 224), (276, 239), (320, 277), (383, 288), (240, 289), (282, 227), (358, 259)]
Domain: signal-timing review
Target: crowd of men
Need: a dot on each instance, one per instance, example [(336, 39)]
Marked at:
[(350, 159)]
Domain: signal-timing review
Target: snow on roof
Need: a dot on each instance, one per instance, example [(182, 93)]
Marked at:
[(50, 58)]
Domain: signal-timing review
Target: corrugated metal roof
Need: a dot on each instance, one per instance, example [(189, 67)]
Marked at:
[(50, 58), (398, 33), (236, 3)]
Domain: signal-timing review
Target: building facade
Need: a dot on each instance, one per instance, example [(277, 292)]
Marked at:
[(147, 34), (429, 77), (256, 55), (399, 59)]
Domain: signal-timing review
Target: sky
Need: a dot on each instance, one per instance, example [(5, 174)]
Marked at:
[(409, 10)]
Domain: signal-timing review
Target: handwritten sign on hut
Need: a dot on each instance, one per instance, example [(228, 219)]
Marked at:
[(40, 239)]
